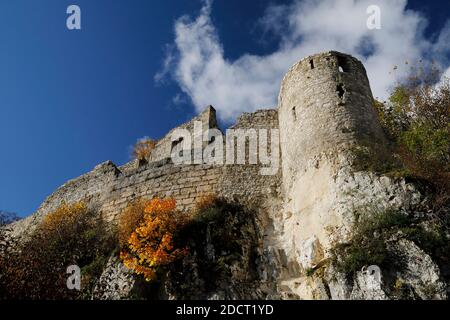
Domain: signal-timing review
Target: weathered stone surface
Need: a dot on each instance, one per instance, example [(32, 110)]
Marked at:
[(420, 272), (115, 283), (368, 286)]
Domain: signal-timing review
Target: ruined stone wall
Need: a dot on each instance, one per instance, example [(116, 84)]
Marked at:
[(186, 184), (245, 182), (165, 145), (110, 188)]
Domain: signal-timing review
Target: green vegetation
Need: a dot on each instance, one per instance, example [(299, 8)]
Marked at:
[(374, 229), (216, 236), (384, 162), (416, 120), (368, 242), (228, 229)]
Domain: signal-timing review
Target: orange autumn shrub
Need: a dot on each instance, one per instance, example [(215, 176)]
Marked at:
[(65, 216), (143, 148), (72, 234), (130, 220), (152, 245)]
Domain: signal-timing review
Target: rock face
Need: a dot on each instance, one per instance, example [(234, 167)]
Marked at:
[(115, 283), (302, 210), (325, 110)]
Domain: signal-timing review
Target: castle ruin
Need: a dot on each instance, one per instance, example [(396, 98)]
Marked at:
[(325, 107), (325, 103)]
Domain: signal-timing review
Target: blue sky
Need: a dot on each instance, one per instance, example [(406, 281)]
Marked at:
[(72, 99)]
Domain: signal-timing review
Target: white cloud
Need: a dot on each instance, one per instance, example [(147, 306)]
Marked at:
[(304, 27)]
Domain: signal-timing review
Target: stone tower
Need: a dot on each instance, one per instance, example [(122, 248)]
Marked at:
[(325, 108), (325, 105)]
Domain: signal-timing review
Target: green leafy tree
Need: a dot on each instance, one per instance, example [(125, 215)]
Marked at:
[(416, 118)]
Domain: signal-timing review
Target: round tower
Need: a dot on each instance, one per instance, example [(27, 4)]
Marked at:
[(325, 106)]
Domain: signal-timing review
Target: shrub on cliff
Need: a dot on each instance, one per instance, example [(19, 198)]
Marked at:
[(192, 254), (367, 245), (152, 245), (224, 243), (130, 219), (70, 235), (417, 120), (374, 229), (143, 148)]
